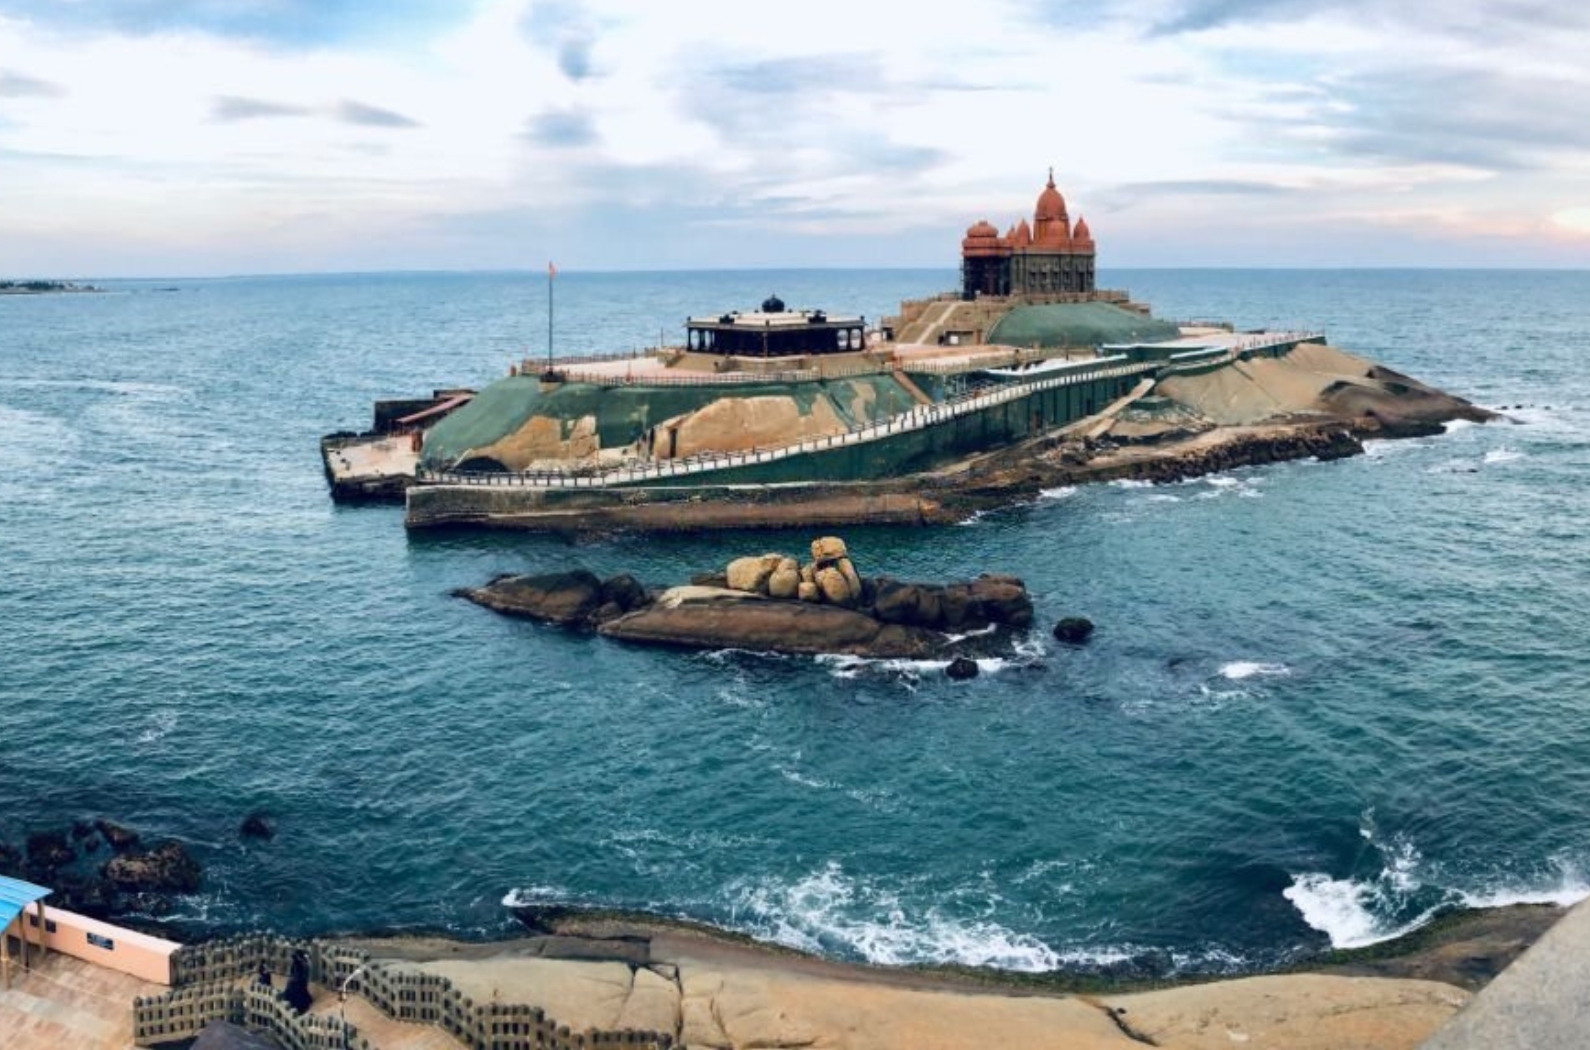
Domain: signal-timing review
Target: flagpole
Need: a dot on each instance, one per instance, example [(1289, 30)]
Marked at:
[(551, 273)]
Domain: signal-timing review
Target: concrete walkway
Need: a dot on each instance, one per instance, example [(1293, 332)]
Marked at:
[(68, 1003), (1541, 1002)]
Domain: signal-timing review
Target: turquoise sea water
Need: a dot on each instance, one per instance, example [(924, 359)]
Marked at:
[(1324, 699)]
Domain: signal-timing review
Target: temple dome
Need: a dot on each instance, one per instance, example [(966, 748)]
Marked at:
[(1081, 234), (980, 229), (1051, 206)]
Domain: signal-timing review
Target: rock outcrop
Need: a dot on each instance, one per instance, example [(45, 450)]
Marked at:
[(771, 603), (165, 869)]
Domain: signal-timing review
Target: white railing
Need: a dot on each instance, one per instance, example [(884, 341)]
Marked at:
[(918, 418)]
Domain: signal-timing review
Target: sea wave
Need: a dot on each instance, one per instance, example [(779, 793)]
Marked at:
[(1237, 670), (828, 911), (1025, 653)]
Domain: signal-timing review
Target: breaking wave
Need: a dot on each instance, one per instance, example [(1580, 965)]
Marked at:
[(829, 912), (1237, 670)]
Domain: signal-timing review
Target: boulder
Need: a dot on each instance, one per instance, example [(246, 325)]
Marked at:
[(624, 591), (808, 574), (851, 576), (808, 592), (1074, 630), (116, 836), (913, 604), (1003, 599), (785, 581), (751, 574), (165, 869), (607, 611), (710, 579), (258, 825), (827, 549), (556, 597), (836, 589), (10, 860), (962, 668), (82, 829), (49, 849)]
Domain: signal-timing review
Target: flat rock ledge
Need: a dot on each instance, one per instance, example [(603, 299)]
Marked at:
[(890, 619)]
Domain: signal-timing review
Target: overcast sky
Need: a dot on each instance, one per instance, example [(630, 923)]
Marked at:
[(196, 137)]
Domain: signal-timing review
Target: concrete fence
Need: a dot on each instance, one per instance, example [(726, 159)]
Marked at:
[(215, 983)]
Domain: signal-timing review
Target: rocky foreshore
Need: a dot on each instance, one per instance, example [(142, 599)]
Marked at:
[(774, 603)]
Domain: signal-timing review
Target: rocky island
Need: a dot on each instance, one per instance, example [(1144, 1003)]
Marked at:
[(1028, 376), (773, 603)]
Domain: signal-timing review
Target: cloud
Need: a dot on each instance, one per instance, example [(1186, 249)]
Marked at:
[(565, 29), (232, 108), (366, 116), (561, 129), (19, 85), (284, 22)]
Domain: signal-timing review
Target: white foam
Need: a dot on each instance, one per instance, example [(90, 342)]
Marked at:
[(1571, 888), (1222, 481), (1237, 670), (1063, 492), (1502, 455), (1345, 910), (1131, 483), (827, 909), (530, 896)]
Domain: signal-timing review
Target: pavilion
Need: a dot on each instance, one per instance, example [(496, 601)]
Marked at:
[(15, 897)]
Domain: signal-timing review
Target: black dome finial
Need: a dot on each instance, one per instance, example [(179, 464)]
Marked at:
[(773, 304)]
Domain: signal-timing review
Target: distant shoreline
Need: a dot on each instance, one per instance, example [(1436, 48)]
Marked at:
[(44, 288)]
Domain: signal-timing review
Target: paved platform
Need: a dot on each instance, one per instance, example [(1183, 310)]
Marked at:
[(65, 1003), (1541, 1002)]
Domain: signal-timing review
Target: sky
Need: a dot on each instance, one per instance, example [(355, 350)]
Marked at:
[(213, 137)]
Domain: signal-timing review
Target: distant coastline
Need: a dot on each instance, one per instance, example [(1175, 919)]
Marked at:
[(44, 287)]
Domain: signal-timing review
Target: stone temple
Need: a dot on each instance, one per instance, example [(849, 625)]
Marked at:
[(1050, 260)]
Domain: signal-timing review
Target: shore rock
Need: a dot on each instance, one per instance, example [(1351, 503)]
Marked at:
[(1074, 630), (948, 607), (165, 869), (834, 587), (785, 581)]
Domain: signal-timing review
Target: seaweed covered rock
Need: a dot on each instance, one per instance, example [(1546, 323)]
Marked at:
[(1074, 630)]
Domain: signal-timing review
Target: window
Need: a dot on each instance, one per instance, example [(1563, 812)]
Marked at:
[(102, 942)]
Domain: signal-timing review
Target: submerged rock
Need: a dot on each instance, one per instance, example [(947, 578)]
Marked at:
[(165, 869), (116, 836), (962, 667), (258, 825), (1074, 630)]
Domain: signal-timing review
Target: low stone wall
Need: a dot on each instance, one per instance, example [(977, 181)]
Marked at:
[(212, 985)]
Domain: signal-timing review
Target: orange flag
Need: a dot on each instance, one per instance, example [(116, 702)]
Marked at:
[(552, 271)]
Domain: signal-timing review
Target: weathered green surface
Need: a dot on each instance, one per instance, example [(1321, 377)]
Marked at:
[(1077, 325), (624, 413)]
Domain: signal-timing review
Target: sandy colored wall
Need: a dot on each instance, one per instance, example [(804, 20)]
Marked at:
[(113, 947)]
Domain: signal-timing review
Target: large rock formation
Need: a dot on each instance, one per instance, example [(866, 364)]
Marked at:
[(771, 603), (165, 869)]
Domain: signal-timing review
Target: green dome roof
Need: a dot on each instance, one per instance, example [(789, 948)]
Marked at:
[(1078, 324)]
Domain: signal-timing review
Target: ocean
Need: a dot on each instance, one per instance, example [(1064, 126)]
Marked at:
[(1324, 701)]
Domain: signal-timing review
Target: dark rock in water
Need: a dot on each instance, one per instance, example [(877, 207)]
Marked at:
[(961, 668), (258, 825), (724, 620), (81, 829), (1003, 600), (556, 597), (624, 591), (10, 860), (49, 849), (607, 611), (1074, 630), (166, 868), (118, 837)]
